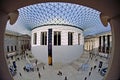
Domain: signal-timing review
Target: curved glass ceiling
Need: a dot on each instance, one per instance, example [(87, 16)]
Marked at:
[(61, 13)]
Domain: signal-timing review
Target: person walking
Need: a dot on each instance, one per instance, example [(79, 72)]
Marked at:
[(95, 67), (85, 78), (39, 75), (36, 62), (89, 73), (91, 68), (43, 67), (66, 78), (37, 69)]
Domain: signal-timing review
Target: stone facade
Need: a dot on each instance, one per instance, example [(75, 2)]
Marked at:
[(15, 43), (95, 43)]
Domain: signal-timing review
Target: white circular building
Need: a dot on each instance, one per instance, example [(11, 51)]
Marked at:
[(57, 43)]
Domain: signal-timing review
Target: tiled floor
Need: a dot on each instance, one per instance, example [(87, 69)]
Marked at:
[(69, 70)]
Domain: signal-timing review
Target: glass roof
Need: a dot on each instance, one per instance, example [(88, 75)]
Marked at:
[(60, 13)]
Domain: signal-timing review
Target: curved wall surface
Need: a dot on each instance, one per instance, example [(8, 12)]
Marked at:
[(62, 53)]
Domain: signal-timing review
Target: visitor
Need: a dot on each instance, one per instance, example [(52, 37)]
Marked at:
[(91, 69), (95, 67), (89, 73), (59, 73), (85, 78), (37, 69), (11, 57), (43, 67), (36, 62), (66, 78), (14, 65), (91, 55), (39, 75), (96, 59), (18, 59), (98, 70), (100, 64), (20, 74), (24, 68)]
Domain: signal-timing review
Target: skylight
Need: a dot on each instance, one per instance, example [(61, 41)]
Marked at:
[(61, 13)]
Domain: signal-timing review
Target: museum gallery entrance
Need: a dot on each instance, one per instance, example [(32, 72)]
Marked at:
[(50, 46)]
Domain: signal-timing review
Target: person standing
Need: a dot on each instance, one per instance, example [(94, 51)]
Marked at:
[(36, 62), (14, 65), (100, 65)]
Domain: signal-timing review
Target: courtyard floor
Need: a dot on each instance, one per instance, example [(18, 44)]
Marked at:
[(73, 70)]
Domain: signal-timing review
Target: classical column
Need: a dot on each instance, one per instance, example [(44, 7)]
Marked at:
[(108, 44), (87, 46), (105, 43), (103, 48), (4, 71), (92, 44), (99, 43)]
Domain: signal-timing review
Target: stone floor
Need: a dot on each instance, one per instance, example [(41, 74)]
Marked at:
[(72, 71)]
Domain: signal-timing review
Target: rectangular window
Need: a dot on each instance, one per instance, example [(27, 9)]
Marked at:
[(15, 48), (70, 38), (11, 48), (57, 38), (21, 47), (79, 39), (43, 38), (35, 38), (8, 49)]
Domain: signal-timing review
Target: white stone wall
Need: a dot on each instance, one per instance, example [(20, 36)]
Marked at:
[(14, 39), (62, 53), (64, 34), (66, 54)]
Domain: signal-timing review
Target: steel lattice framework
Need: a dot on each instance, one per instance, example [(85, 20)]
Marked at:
[(61, 13)]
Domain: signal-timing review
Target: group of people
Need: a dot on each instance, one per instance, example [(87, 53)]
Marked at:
[(85, 66), (60, 74), (91, 55)]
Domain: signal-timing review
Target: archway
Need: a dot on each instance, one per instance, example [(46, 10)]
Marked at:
[(10, 6)]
